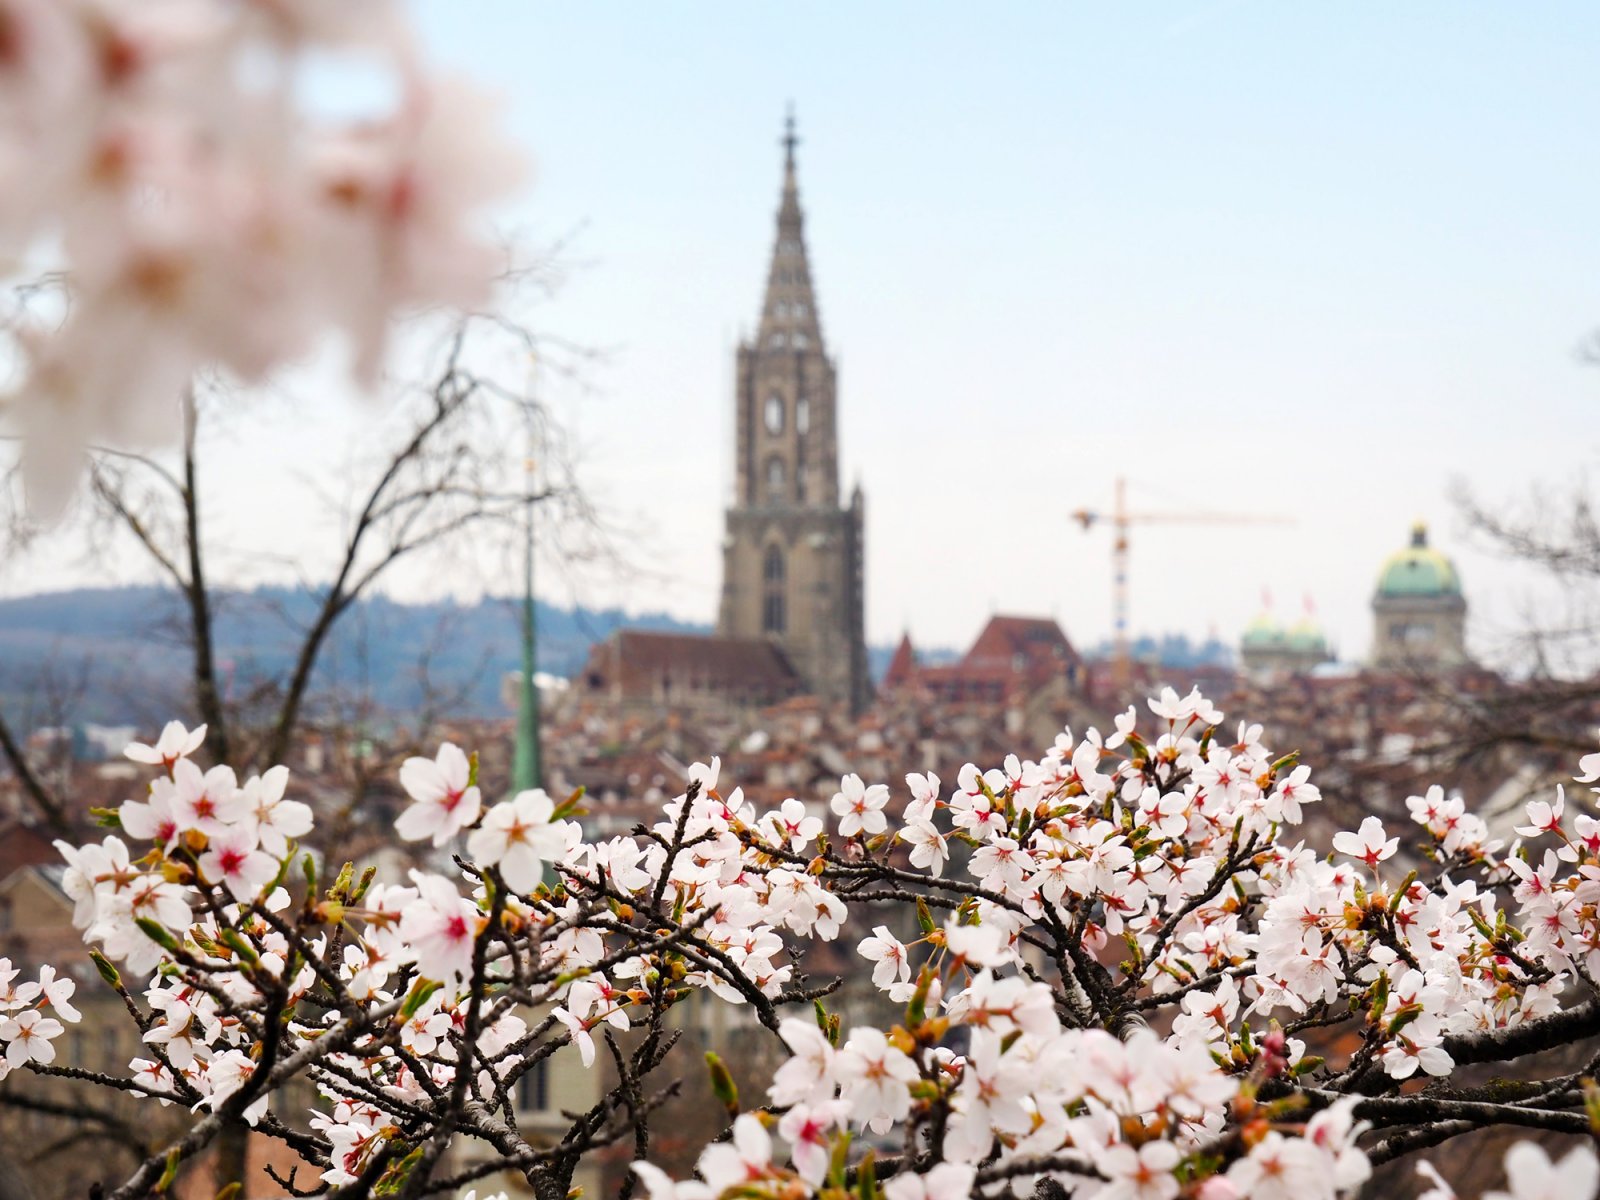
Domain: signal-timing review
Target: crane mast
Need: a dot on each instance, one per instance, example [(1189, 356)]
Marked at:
[(1121, 520)]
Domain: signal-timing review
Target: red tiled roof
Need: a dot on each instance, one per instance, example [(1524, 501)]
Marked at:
[(1005, 640), (902, 666), (1010, 654), (648, 664)]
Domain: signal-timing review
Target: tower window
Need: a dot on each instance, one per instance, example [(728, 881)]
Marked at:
[(802, 415), (775, 477), (774, 413), (774, 617), (801, 341), (775, 342)]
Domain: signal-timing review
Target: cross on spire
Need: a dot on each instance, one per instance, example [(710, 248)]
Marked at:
[(790, 138)]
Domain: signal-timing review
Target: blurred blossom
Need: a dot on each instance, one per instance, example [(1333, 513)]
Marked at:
[(204, 214)]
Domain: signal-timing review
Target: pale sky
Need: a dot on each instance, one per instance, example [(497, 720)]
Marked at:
[(1312, 261)]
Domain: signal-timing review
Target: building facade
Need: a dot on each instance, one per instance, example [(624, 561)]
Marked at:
[(792, 554), (1419, 616)]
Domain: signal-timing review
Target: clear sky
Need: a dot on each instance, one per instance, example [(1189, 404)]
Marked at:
[(1314, 261)]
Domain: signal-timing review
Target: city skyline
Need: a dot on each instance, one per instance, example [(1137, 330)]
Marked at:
[(1054, 249)]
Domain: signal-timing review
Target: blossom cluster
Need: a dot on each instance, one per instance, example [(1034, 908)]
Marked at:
[(1115, 967), (209, 207)]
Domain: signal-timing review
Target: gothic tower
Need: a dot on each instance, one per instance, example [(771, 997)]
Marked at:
[(792, 557)]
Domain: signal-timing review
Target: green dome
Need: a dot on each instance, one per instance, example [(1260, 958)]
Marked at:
[(1418, 570), (1307, 638), (1262, 633)]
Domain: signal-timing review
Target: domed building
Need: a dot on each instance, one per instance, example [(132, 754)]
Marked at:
[(1419, 616), (1269, 651)]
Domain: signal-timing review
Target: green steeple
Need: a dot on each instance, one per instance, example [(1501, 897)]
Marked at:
[(525, 767)]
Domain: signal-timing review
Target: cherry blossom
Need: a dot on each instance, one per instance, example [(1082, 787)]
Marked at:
[(1367, 844), (888, 956), (27, 1037), (1110, 990), (233, 860), (947, 1181), (278, 821), (444, 801), (174, 743), (519, 837), (859, 807), (281, 220), (440, 927)]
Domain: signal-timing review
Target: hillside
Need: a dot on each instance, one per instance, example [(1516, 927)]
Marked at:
[(116, 654)]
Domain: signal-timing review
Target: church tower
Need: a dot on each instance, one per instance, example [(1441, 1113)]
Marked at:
[(792, 557)]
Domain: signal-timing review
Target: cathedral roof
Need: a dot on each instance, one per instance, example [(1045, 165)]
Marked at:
[(639, 662), (1418, 570)]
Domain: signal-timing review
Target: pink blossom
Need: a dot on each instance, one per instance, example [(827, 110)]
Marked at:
[(443, 803), (440, 927)]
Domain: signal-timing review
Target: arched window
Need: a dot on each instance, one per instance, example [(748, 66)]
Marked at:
[(774, 617), (775, 477)]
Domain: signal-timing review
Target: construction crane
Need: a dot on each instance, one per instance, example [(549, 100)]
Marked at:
[(1121, 519)]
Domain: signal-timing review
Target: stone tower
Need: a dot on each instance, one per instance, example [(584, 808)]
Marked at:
[(792, 557)]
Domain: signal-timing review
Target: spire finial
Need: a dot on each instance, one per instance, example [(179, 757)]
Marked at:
[(790, 138)]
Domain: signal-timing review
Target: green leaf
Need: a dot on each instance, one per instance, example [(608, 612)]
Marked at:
[(1404, 1017), (239, 944), (568, 807), (867, 1176), (107, 971), (340, 890), (917, 1009), (157, 933), (395, 1176), (107, 818), (363, 884), (925, 917), (1380, 997), (283, 873), (722, 1084), (418, 996), (169, 1173), (839, 1161)]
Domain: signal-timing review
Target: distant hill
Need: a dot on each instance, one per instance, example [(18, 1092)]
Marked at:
[(116, 654)]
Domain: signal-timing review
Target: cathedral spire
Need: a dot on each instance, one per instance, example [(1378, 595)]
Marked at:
[(788, 311)]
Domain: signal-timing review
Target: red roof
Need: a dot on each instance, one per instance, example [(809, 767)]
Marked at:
[(903, 666), (644, 664), (1020, 641), (1011, 654)]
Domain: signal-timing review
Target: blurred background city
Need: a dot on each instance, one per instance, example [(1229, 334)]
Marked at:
[(896, 387)]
